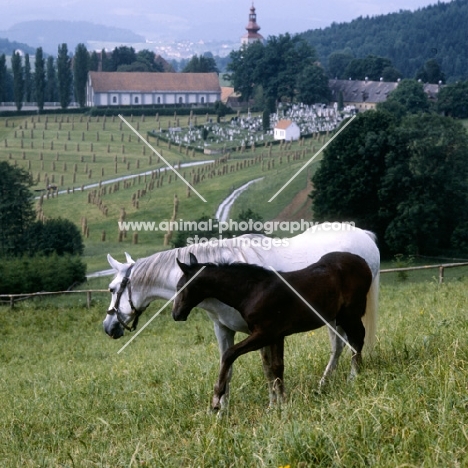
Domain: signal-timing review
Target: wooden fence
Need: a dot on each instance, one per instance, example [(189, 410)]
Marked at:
[(441, 268), (12, 298)]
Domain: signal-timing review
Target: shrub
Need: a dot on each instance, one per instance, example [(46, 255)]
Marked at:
[(40, 273)]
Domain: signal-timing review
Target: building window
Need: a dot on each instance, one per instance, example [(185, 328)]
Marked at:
[(202, 100), (181, 100), (136, 100), (114, 100), (159, 100)]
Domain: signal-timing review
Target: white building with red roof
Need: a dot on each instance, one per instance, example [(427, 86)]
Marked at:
[(146, 88), (286, 130)]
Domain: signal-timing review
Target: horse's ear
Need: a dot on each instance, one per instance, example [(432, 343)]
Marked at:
[(129, 258), (117, 266), (185, 268), (193, 260)]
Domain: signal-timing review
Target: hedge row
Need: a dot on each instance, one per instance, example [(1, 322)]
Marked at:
[(150, 110), (40, 273)]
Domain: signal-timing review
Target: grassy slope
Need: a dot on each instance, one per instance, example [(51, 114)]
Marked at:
[(68, 398), (72, 151)]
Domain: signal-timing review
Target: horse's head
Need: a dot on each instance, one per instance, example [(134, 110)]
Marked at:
[(187, 296), (122, 310)]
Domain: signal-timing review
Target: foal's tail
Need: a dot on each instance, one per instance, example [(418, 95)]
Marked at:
[(369, 320)]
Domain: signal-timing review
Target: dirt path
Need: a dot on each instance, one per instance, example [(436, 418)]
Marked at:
[(299, 208)]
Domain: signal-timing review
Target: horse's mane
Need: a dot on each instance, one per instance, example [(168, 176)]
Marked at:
[(161, 265)]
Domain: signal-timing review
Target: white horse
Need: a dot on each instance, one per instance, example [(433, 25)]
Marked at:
[(137, 284)]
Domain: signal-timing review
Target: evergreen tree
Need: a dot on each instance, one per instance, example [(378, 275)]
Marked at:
[(39, 78), (28, 88), (80, 73), (106, 62), (64, 76), (94, 61), (18, 80), (51, 91), (3, 78), (16, 209)]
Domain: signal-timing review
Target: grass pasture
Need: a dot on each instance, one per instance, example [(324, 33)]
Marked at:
[(69, 400), (73, 151)]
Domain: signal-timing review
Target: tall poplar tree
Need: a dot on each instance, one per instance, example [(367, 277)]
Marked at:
[(51, 92), (80, 73), (39, 78), (18, 80), (64, 75), (27, 79), (3, 78)]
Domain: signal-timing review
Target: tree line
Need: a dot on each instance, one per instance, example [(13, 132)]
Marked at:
[(401, 172), (35, 255), (63, 78)]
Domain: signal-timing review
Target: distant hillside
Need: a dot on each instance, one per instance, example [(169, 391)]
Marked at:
[(7, 47), (409, 39), (49, 34)]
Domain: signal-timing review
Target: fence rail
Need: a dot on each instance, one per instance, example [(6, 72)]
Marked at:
[(12, 298), (440, 266)]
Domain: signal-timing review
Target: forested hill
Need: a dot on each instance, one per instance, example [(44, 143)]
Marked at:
[(408, 39), (7, 47)]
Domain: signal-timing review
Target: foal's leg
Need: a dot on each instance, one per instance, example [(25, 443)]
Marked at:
[(225, 337), (267, 359), (278, 369), (337, 345), (352, 324), (253, 342)]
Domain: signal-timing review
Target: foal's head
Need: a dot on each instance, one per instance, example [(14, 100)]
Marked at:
[(188, 296)]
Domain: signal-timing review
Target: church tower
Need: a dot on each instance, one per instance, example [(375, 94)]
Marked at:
[(252, 29)]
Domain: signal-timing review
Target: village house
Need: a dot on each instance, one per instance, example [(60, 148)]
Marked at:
[(145, 88), (286, 130), (366, 94)]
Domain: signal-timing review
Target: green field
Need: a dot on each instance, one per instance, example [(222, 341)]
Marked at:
[(73, 151), (69, 400)]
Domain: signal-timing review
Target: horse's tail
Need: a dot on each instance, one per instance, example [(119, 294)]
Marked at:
[(369, 320)]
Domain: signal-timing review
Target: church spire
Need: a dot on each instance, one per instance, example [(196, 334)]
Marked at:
[(252, 29)]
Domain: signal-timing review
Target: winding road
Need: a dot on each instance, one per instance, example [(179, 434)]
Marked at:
[(222, 213)]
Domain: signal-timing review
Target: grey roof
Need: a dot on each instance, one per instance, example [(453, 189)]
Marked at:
[(361, 91)]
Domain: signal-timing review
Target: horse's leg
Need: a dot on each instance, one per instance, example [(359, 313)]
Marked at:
[(253, 342), (278, 369), (267, 358), (337, 345), (225, 337), (352, 325)]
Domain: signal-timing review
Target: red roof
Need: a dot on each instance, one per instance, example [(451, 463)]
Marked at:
[(283, 124), (150, 82)]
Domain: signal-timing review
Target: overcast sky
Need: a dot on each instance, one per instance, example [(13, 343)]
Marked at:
[(201, 19)]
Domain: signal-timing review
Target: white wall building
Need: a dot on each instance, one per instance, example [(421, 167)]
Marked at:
[(144, 88), (287, 130)]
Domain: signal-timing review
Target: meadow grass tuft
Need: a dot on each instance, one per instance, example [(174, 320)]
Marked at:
[(68, 399)]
